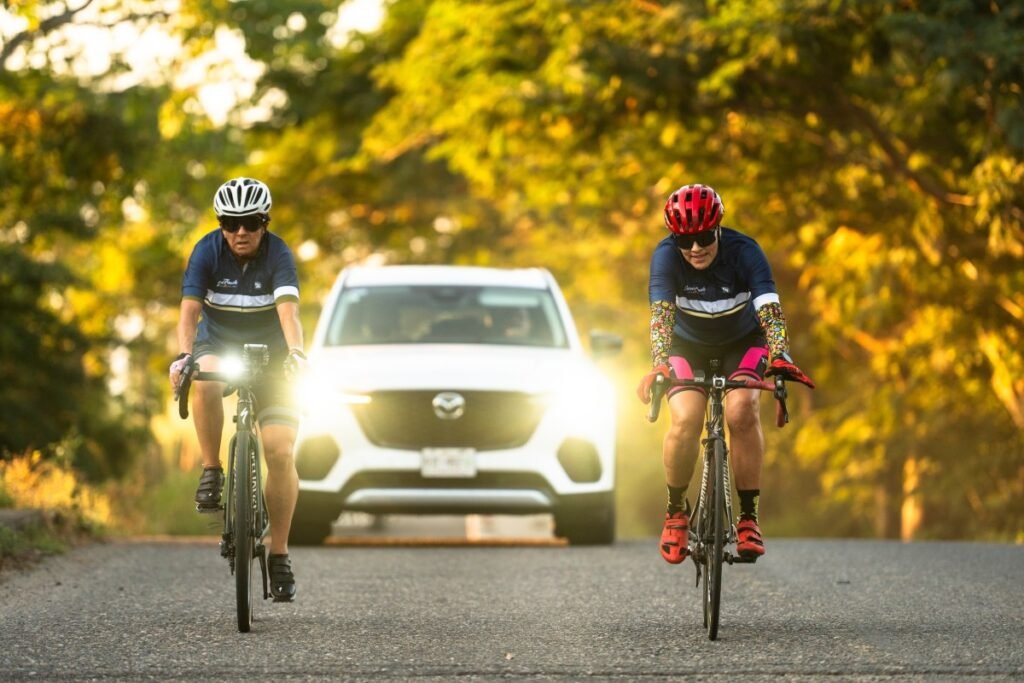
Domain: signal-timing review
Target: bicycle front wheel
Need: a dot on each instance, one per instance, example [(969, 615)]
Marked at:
[(714, 549), (244, 461)]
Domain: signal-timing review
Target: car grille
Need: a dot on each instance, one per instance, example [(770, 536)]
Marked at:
[(491, 420)]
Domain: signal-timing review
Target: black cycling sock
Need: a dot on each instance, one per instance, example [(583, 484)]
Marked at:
[(748, 502), (677, 500)]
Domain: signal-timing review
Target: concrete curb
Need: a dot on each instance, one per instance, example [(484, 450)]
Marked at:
[(18, 520)]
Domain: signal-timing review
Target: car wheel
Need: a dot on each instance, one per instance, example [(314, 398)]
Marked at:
[(587, 524)]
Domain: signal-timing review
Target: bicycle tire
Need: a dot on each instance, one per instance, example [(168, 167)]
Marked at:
[(715, 554), (703, 533), (243, 522)]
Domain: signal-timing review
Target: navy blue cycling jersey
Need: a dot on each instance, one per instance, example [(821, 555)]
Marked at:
[(717, 305), (240, 302)]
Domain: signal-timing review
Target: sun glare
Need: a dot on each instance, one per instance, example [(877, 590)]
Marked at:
[(221, 77), (363, 16)]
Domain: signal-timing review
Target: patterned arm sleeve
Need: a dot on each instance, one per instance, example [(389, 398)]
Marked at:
[(662, 320), (774, 325)]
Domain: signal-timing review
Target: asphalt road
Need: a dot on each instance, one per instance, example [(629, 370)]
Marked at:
[(842, 610)]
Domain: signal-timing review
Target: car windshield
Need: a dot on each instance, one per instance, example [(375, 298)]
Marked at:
[(439, 314)]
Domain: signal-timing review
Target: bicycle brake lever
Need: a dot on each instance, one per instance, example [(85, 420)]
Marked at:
[(781, 412), (181, 393), (657, 391)]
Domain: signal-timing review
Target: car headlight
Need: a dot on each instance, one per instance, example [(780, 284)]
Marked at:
[(581, 408), (316, 397)]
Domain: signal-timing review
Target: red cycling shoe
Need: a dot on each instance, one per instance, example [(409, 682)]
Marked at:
[(749, 545), (675, 537)]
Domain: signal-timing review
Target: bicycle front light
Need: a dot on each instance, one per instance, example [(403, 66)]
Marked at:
[(232, 367)]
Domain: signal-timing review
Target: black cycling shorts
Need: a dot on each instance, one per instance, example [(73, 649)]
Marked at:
[(747, 357), (275, 395)]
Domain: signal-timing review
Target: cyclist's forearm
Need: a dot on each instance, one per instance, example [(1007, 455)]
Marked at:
[(662, 321), (774, 325), (188, 323), (291, 325)]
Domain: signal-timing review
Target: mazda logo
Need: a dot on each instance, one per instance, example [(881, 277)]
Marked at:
[(448, 405)]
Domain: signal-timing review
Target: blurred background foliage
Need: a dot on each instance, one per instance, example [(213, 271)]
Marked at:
[(874, 148)]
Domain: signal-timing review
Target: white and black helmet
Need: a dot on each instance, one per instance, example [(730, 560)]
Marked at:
[(241, 197)]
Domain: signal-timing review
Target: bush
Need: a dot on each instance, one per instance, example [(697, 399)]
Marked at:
[(29, 481)]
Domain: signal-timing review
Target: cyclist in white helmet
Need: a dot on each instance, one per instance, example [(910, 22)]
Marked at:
[(241, 287)]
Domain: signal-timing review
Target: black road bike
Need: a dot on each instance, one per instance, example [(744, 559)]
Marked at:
[(712, 531), (246, 521)]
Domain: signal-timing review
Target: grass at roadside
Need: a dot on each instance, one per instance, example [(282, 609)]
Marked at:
[(24, 546), (70, 511), (166, 506)]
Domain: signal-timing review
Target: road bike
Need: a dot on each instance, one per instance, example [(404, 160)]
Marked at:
[(246, 520), (712, 531)]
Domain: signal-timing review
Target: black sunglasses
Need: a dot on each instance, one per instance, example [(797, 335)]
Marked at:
[(252, 222), (704, 239)]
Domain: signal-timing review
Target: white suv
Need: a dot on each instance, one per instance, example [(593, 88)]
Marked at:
[(455, 390)]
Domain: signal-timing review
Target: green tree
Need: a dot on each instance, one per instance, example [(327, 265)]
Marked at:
[(84, 247)]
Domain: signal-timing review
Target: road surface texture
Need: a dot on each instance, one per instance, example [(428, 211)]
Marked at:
[(810, 610)]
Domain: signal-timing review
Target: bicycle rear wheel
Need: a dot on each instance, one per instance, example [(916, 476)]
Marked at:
[(715, 545), (244, 461)]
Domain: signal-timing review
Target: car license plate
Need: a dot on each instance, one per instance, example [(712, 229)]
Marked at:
[(448, 462)]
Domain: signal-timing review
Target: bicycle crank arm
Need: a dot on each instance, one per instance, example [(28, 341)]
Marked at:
[(261, 552)]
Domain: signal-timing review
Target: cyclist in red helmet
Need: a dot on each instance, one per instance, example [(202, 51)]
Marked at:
[(712, 296)]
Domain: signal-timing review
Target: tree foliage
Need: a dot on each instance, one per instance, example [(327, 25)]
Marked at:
[(874, 148)]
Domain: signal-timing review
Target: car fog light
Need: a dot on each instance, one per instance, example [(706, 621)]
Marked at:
[(316, 457), (580, 461)]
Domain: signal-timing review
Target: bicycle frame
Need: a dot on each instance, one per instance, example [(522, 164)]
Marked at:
[(715, 429), (245, 419)]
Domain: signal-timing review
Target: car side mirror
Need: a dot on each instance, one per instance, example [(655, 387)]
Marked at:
[(604, 343)]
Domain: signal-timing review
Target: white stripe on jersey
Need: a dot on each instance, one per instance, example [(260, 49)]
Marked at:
[(239, 301), (765, 299), (288, 290), (713, 309)]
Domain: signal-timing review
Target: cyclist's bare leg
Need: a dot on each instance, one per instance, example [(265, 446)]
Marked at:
[(682, 442), (208, 413), (746, 440), (282, 487)]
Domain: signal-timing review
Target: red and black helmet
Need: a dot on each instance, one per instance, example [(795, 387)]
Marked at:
[(692, 209)]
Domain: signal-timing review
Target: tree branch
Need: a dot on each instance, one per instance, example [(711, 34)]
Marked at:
[(45, 27), (897, 160), (54, 23)]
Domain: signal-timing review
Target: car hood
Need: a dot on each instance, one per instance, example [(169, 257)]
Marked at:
[(454, 366)]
